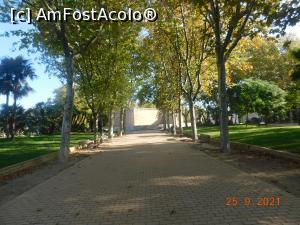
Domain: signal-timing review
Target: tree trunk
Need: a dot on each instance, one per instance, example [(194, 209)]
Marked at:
[(247, 118), (179, 116), (83, 120), (101, 123), (68, 109), (186, 120), (95, 126), (291, 116), (225, 145), (121, 122), (111, 124), (124, 121), (168, 121), (193, 120), (7, 116), (208, 117), (298, 115), (13, 121), (164, 120), (174, 123)]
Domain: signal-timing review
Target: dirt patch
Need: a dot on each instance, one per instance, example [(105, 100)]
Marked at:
[(279, 172), (15, 185)]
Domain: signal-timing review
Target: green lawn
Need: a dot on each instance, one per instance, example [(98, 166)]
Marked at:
[(24, 148), (281, 138)]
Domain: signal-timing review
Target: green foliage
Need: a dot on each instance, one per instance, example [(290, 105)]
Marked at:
[(295, 73), (44, 118), (6, 115), (81, 111), (14, 75), (263, 97), (146, 94), (261, 58), (293, 96)]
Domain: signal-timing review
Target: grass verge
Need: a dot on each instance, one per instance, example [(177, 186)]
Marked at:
[(25, 148), (286, 138)]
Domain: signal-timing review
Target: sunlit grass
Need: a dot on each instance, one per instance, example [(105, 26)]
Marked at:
[(281, 138), (25, 148)]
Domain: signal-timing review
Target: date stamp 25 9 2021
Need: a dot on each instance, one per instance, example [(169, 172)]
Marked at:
[(261, 201)]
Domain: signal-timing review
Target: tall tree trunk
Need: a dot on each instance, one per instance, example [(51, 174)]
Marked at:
[(7, 116), (124, 121), (247, 118), (68, 109), (168, 121), (186, 119), (298, 114), (95, 126), (193, 120), (291, 116), (164, 120), (111, 124), (174, 123), (207, 117), (121, 122), (179, 116), (225, 145), (13, 121), (101, 123)]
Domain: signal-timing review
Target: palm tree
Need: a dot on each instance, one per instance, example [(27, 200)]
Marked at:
[(14, 74), (6, 71)]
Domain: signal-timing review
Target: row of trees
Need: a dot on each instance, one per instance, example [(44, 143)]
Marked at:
[(45, 118), (199, 46), (101, 61), (186, 52)]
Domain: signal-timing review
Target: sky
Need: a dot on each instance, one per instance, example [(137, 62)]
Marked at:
[(45, 84)]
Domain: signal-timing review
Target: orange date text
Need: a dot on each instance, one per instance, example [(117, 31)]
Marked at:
[(262, 201)]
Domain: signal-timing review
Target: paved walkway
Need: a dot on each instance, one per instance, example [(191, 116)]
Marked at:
[(149, 178)]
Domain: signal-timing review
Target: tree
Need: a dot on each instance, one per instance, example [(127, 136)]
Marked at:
[(20, 118), (14, 75), (293, 97), (22, 71), (189, 37), (295, 73), (6, 72), (262, 97), (44, 118), (105, 77), (293, 101), (230, 21), (81, 113), (261, 58), (61, 43)]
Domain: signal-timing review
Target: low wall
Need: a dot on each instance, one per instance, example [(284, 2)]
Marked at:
[(28, 164), (18, 167)]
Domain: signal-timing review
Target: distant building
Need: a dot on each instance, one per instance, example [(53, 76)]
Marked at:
[(141, 119)]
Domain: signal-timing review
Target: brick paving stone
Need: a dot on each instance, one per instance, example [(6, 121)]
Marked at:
[(149, 178)]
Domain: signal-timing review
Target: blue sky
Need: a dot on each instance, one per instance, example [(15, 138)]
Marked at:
[(44, 85)]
